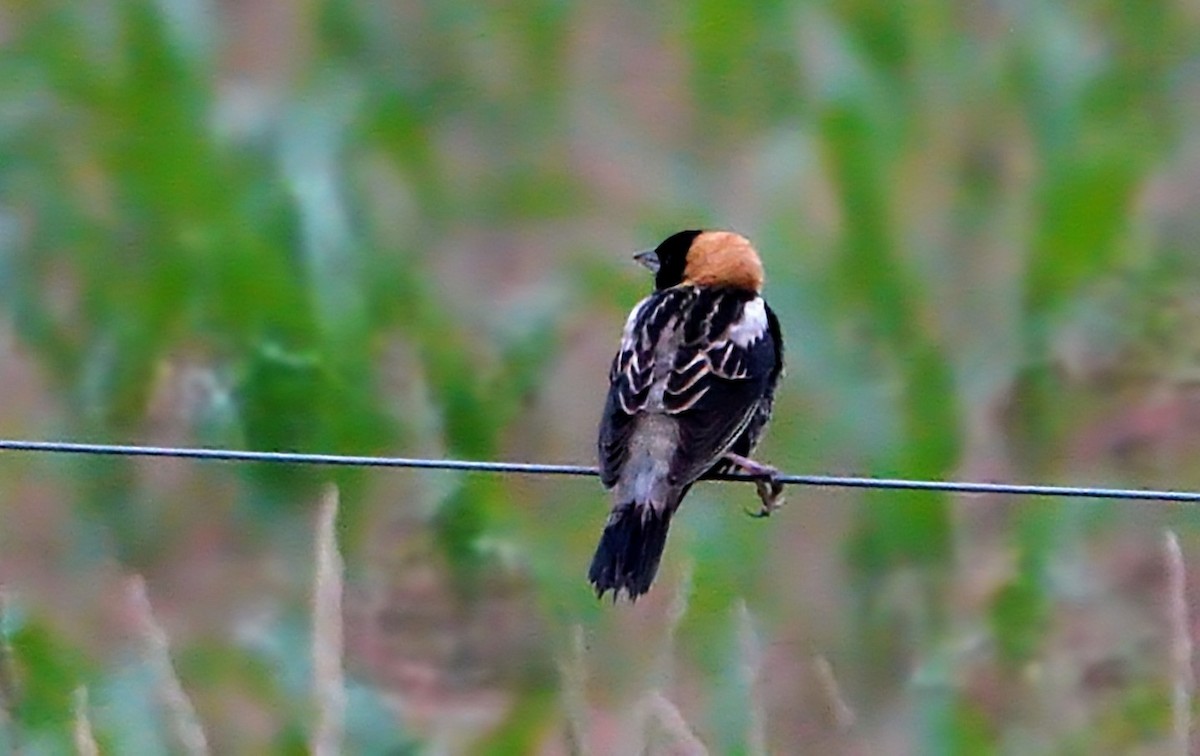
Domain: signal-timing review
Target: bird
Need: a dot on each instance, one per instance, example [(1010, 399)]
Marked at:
[(691, 390)]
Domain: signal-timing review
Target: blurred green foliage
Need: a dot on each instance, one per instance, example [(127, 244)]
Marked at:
[(949, 197)]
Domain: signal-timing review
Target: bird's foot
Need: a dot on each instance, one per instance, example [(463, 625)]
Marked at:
[(770, 490), (771, 493)]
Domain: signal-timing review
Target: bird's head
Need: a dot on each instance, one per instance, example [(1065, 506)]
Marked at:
[(704, 258)]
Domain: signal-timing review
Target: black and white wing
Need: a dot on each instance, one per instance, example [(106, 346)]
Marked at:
[(632, 375), (724, 370), (723, 357), (746, 442)]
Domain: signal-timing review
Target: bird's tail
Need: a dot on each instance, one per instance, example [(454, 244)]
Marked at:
[(630, 549)]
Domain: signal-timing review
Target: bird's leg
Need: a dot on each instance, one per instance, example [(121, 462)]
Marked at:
[(770, 490)]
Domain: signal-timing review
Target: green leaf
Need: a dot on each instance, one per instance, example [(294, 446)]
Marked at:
[(1020, 618)]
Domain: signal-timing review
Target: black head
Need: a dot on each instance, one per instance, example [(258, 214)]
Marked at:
[(669, 259)]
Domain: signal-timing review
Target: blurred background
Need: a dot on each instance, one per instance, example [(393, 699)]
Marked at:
[(405, 228)]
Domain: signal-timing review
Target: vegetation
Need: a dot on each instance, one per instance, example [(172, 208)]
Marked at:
[(404, 228)]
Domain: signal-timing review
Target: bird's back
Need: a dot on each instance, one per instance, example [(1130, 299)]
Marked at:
[(693, 367)]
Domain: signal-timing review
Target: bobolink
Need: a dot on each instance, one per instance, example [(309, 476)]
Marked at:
[(690, 392)]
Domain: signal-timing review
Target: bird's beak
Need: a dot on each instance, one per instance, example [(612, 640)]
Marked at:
[(649, 259)]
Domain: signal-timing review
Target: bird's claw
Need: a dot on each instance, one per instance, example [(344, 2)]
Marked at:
[(770, 490)]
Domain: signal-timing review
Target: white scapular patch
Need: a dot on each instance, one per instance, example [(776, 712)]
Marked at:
[(752, 325)]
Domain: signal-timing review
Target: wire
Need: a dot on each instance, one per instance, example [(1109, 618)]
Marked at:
[(527, 468)]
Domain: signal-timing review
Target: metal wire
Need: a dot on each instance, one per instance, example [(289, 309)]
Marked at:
[(527, 468)]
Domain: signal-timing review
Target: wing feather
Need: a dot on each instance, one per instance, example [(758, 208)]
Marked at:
[(722, 360), (748, 439)]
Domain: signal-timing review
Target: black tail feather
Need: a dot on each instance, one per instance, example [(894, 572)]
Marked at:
[(630, 549)]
